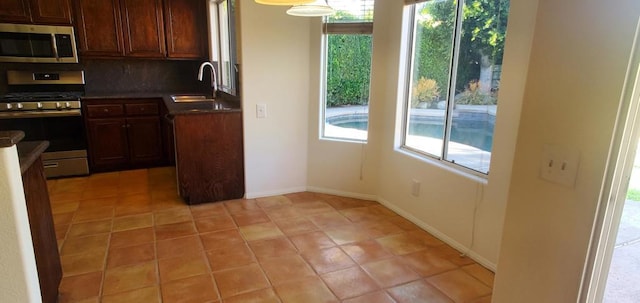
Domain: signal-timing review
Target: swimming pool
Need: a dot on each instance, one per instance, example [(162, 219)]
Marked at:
[(472, 128)]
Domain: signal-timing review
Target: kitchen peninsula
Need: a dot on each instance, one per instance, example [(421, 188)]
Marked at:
[(45, 246), (208, 150)]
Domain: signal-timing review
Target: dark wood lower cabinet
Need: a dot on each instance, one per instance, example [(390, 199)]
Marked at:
[(209, 156), (124, 134), (108, 137), (145, 140), (43, 234)]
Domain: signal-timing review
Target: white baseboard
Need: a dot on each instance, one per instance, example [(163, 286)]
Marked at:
[(283, 191), (442, 237), (322, 190)]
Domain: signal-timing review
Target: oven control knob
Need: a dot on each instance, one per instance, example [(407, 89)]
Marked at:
[(39, 105), (19, 106), (67, 105), (58, 106)]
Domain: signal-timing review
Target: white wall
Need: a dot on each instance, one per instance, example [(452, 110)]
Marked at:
[(577, 68), (344, 168), (275, 72), (448, 199), (18, 273)]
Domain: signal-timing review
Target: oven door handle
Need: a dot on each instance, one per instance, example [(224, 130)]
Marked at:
[(50, 164), (41, 114)]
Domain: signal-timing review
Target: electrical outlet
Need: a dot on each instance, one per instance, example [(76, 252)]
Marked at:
[(559, 165), (261, 110), (415, 188)]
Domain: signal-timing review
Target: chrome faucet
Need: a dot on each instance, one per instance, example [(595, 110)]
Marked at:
[(214, 80)]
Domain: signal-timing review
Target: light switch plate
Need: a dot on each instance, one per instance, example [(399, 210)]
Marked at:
[(559, 165), (261, 110)]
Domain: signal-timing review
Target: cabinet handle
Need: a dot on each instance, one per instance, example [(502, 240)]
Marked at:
[(106, 110)]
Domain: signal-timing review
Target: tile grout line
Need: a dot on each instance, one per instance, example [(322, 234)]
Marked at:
[(210, 271), (155, 249)]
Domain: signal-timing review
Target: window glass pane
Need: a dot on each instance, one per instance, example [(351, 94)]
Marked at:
[(451, 113), (347, 84), (225, 57), (351, 11), (477, 83), (429, 87), (348, 69)]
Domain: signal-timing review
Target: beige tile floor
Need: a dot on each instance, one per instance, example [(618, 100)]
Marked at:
[(127, 237)]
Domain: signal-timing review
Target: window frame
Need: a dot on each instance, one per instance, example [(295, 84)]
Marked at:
[(408, 75), (340, 28)]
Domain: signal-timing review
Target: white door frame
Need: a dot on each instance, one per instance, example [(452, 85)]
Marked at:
[(614, 188)]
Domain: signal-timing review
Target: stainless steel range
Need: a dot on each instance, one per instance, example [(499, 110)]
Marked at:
[(46, 106)]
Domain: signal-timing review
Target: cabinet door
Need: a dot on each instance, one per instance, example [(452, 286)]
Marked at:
[(143, 28), (14, 11), (107, 143), (51, 11), (186, 28), (145, 140), (99, 29)]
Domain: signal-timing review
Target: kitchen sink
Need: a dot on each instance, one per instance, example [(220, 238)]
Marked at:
[(198, 103), (191, 98)]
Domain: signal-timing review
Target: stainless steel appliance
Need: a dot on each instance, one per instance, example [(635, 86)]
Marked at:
[(37, 43), (46, 106)]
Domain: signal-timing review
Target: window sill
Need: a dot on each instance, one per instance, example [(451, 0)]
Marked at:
[(445, 165)]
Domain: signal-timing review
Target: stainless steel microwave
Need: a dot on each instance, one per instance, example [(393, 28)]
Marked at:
[(37, 43)]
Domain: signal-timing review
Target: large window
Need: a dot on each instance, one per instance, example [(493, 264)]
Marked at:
[(347, 49), (454, 79)]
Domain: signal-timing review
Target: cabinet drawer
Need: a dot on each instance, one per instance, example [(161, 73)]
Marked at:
[(104, 110), (141, 109)]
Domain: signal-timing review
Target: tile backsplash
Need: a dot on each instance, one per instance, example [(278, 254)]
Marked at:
[(118, 76), (142, 76)]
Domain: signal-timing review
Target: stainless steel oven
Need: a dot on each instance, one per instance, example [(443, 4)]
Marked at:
[(46, 106)]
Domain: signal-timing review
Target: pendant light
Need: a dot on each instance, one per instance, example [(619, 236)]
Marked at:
[(318, 8), (283, 2)]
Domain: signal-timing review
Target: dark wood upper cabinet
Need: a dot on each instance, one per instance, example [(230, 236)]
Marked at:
[(14, 11), (99, 28), (186, 28), (35, 11), (143, 28), (51, 11), (137, 28)]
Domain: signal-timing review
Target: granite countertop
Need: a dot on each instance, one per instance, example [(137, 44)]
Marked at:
[(184, 108), (137, 95), (10, 138), (206, 107), (29, 152)]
